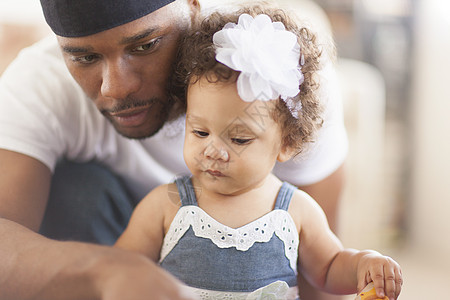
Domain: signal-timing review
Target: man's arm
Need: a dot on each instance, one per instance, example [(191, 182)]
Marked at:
[(34, 267), (24, 189)]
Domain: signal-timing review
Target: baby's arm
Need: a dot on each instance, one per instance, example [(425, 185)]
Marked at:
[(145, 231), (327, 265)]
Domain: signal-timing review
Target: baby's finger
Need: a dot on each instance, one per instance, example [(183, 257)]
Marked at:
[(398, 281), (363, 281), (389, 281), (377, 274)]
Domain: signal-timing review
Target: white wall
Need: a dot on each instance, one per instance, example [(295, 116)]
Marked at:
[(20, 11), (429, 216)]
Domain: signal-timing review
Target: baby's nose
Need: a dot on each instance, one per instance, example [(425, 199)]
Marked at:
[(216, 153)]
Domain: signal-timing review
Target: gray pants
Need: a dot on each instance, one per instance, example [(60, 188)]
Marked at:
[(87, 203)]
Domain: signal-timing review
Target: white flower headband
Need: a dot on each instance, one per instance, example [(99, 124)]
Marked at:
[(266, 54)]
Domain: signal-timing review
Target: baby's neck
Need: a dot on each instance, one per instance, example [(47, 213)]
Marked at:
[(238, 210)]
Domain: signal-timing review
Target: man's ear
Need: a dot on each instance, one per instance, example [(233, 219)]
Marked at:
[(285, 154)]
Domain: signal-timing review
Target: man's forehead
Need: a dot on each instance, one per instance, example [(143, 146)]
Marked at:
[(69, 18), (87, 44)]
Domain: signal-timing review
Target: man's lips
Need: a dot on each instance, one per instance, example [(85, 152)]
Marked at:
[(132, 117)]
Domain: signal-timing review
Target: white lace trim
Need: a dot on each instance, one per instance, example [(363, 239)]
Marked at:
[(267, 292), (277, 222)]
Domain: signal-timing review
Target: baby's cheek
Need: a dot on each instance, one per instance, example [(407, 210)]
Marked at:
[(190, 158)]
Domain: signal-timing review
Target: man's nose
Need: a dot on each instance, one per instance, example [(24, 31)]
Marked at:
[(119, 80)]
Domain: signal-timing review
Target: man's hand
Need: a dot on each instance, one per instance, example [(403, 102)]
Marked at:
[(132, 276), (34, 267)]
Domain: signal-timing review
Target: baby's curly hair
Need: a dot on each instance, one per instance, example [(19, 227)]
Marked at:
[(197, 59)]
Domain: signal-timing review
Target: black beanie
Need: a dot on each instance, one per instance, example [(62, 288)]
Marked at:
[(76, 18)]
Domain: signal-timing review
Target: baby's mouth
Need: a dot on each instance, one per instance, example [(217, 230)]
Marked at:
[(215, 173)]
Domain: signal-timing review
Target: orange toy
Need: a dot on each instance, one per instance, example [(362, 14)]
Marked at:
[(368, 293)]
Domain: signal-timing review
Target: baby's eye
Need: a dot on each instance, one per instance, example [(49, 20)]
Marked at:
[(200, 133), (241, 141)]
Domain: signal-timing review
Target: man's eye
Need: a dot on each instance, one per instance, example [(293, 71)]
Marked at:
[(86, 59), (239, 141), (147, 47), (200, 133)]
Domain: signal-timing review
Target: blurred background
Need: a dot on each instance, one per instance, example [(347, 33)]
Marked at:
[(393, 66)]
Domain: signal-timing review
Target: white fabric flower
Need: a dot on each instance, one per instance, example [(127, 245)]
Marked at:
[(266, 54)]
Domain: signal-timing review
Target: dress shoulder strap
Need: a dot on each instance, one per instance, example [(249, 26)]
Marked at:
[(186, 190), (284, 196)]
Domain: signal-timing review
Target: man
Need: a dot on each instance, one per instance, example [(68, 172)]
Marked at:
[(100, 100)]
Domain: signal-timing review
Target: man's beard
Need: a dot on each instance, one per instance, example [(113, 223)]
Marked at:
[(163, 114)]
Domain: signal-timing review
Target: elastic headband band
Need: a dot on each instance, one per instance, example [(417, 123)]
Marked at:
[(77, 18)]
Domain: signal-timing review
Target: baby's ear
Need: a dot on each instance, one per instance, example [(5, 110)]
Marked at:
[(195, 8), (285, 154)]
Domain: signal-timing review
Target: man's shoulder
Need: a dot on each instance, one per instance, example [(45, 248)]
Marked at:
[(39, 75), (47, 46), (38, 62)]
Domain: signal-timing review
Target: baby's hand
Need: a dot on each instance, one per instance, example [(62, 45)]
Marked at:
[(383, 271)]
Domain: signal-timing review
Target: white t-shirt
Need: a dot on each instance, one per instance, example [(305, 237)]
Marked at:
[(46, 115)]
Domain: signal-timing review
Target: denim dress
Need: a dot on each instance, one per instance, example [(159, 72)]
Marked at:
[(255, 261)]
